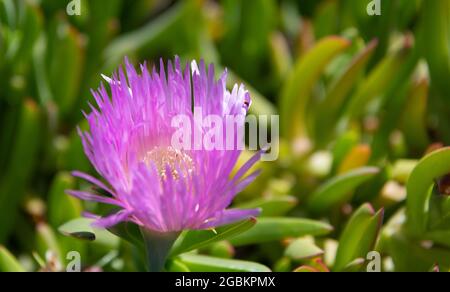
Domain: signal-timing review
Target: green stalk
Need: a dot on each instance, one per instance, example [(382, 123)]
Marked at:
[(157, 248)]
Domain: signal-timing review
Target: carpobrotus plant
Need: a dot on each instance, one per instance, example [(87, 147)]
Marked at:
[(162, 188)]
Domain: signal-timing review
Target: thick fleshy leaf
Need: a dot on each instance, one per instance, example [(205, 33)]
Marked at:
[(272, 207), (196, 239), (357, 157), (39, 65), (354, 266), (175, 265), (336, 96), (79, 228), (62, 207), (342, 147), (339, 189), (359, 236), (441, 237), (393, 102), (276, 229), (376, 83), (280, 55), (65, 56), (303, 248), (31, 27), (153, 35), (435, 41), (419, 187), (222, 249), (415, 116), (47, 242), (296, 91), (325, 18), (199, 263), (306, 269), (246, 38), (402, 169), (409, 256), (8, 263), (16, 175)]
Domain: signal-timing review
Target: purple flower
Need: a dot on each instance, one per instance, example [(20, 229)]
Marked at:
[(153, 184)]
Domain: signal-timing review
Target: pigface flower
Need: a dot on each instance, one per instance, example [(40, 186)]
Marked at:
[(154, 184)]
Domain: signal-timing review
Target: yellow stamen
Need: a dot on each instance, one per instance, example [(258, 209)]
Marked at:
[(168, 157)]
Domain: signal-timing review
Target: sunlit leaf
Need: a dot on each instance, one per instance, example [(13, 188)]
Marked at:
[(199, 263), (195, 239), (22, 161), (48, 242), (296, 91), (65, 59), (435, 41), (339, 189), (358, 157), (272, 207), (359, 236), (79, 228), (420, 185), (62, 207), (414, 118), (276, 229), (303, 248), (8, 263), (329, 108), (375, 84)]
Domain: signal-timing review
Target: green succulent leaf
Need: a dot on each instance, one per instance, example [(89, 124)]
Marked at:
[(200, 263), (196, 239), (276, 229), (415, 115), (303, 248), (47, 241), (62, 208), (296, 90), (441, 237), (338, 190), (8, 263), (419, 188), (375, 84), (65, 58), (333, 102), (22, 161), (359, 236), (79, 228), (272, 207), (354, 266), (153, 35), (435, 41), (410, 256)]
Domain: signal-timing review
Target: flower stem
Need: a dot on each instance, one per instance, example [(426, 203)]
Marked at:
[(157, 247)]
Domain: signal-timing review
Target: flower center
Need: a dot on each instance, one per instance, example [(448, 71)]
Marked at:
[(167, 158)]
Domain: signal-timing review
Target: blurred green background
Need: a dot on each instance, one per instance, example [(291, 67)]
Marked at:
[(362, 99)]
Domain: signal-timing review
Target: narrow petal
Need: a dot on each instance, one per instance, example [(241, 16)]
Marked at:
[(91, 197), (112, 220), (92, 180), (89, 215), (243, 170), (246, 181)]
